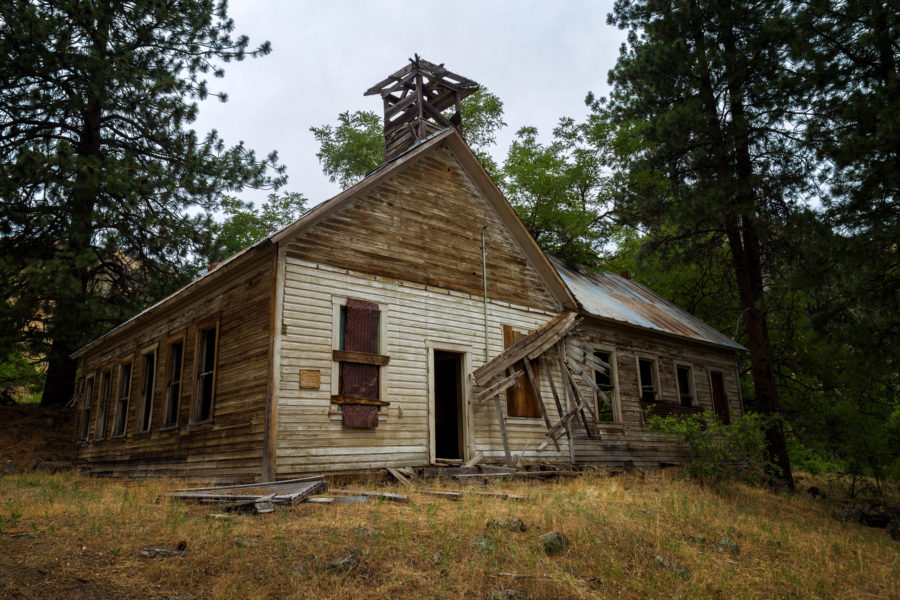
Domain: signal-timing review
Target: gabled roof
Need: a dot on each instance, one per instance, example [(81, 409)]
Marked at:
[(326, 209), (615, 298)]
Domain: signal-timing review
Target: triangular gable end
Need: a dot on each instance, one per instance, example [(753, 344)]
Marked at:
[(419, 218)]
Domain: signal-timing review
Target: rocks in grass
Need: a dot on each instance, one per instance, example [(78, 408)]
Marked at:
[(346, 562), (509, 594), (667, 563), (437, 558), (514, 525), (366, 532), (874, 512), (243, 542), (158, 552), (554, 542), (482, 543), (726, 545)]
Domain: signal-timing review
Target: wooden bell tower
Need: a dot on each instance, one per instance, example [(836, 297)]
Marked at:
[(417, 99)]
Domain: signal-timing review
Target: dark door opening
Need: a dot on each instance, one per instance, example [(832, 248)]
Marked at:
[(448, 434), (720, 398)]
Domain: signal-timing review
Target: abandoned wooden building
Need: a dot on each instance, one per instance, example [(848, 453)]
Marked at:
[(409, 318)]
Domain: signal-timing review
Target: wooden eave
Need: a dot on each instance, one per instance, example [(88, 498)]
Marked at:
[(209, 279), (481, 178)]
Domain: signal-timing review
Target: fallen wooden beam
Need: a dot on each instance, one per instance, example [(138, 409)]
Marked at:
[(400, 498), (477, 458), (399, 476), (499, 387)]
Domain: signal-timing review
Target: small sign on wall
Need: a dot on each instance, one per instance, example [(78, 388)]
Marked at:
[(309, 379)]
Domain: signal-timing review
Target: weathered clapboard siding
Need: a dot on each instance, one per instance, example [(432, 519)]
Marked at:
[(630, 440), (310, 434), (423, 225), (228, 448)]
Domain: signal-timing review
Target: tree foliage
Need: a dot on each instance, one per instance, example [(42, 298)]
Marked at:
[(703, 97), (101, 179), (355, 145), (245, 224), (560, 190)]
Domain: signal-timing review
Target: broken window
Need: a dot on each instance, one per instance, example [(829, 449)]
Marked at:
[(103, 406), (521, 401), (359, 363), (204, 392), (685, 380), (647, 379), (86, 401), (605, 382), (148, 375), (174, 358), (122, 402)]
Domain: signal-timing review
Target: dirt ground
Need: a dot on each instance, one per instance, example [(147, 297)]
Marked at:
[(30, 433)]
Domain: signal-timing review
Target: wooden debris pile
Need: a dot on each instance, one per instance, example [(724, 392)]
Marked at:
[(255, 497)]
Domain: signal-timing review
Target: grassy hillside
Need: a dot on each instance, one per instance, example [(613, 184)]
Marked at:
[(632, 536)]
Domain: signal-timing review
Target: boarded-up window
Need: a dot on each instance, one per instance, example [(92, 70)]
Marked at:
[(685, 384), (86, 402), (647, 379), (360, 322), (173, 382), (204, 392), (122, 402), (521, 401), (360, 333), (148, 376)]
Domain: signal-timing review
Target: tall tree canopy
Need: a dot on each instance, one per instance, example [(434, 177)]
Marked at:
[(100, 175), (704, 99)]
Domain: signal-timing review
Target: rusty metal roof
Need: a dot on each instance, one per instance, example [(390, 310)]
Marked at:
[(610, 296)]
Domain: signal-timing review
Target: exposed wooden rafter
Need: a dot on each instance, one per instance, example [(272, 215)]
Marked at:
[(415, 100)]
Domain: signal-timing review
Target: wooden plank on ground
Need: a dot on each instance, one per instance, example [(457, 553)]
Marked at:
[(399, 476)]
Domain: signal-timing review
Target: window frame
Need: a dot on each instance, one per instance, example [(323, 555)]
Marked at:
[(614, 381), (692, 392), (167, 398), (146, 399), (115, 433), (199, 358), (338, 306), (712, 395), (87, 402), (106, 381), (654, 373), (524, 386)]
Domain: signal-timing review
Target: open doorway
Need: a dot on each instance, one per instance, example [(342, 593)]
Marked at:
[(448, 404)]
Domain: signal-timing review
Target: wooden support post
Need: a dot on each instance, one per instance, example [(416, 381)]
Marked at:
[(578, 397), (545, 365), (503, 430), (562, 354), (537, 395)]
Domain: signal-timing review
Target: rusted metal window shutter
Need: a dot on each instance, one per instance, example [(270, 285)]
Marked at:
[(360, 335)]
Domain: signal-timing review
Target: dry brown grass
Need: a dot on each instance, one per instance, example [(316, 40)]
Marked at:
[(88, 532)]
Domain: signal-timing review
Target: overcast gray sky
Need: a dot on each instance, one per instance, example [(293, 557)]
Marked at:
[(539, 56)]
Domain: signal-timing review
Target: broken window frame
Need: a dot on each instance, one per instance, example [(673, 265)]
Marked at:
[(613, 385), (691, 394), (87, 401), (522, 396), (172, 400), (123, 397), (653, 387), (144, 418), (102, 420), (205, 379), (712, 396)]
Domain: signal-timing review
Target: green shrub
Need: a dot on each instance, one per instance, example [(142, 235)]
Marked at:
[(716, 448)]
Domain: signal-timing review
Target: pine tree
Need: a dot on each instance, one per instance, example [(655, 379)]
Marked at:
[(703, 98), (100, 175)]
